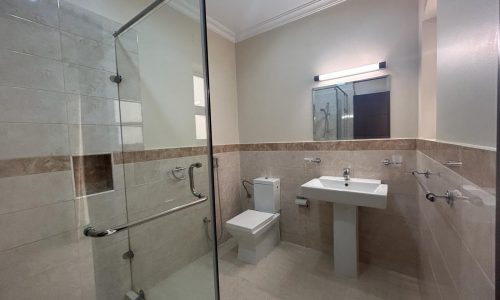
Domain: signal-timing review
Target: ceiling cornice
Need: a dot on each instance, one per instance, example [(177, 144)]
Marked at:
[(212, 24), (297, 13), (289, 16)]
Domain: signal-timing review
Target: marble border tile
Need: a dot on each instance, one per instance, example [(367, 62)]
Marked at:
[(33, 165), (387, 144), (475, 160), (226, 148), (384, 144), (427, 147), (329, 146), (156, 154), (159, 154), (295, 146)]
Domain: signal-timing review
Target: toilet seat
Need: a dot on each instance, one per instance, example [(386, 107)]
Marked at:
[(250, 221)]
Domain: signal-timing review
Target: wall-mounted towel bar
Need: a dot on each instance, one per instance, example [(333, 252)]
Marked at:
[(449, 196), (426, 173)]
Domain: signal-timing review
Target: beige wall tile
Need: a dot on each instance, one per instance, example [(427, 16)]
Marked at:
[(479, 166), (76, 20), (102, 210), (44, 11), (36, 258), (93, 110), (440, 271), (29, 140), (32, 106), (29, 37), (94, 139), (60, 282), (90, 82), (35, 224), (24, 70), (25, 192), (105, 274), (81, 51), (464, 232)]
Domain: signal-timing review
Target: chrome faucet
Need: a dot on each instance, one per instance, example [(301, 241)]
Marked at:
[(346, 173)]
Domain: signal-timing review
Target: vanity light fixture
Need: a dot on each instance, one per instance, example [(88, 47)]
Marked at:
[(353, 71)]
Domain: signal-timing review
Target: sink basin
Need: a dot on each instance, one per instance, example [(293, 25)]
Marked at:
[(355, 191), (346, 196)]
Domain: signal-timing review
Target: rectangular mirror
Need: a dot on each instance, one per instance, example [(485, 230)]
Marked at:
[(352, 110)]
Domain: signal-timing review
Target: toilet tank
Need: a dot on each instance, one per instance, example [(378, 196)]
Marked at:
[(267, 193)]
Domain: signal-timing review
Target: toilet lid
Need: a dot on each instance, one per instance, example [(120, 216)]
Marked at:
[(250, 220)]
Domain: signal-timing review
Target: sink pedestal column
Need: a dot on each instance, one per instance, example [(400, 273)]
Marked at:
[(345, 239)]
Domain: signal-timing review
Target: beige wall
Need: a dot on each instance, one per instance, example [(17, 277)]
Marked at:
[(222, 65), (467, 71), (275, 69)]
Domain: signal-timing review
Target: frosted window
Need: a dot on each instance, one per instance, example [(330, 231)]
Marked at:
[(199, 91), (201, 129)]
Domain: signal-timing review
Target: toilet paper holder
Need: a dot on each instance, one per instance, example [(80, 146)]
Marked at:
[(302, 201)]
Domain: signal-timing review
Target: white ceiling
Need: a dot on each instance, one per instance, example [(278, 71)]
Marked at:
[(242, 19)]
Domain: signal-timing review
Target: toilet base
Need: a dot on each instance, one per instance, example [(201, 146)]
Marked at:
[(252, 251)]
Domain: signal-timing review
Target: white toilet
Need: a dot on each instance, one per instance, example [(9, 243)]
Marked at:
[(257, 231)]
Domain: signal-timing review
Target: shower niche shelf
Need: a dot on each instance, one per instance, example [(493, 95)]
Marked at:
[(92, 174)]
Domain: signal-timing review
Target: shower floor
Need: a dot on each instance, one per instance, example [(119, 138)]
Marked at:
[(288, 272)]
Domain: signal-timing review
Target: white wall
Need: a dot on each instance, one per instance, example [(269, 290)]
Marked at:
[(428, 66), (169, 54), (467, 67), (275, 69)]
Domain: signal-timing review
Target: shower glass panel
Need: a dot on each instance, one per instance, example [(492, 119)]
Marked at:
[(325, 114), (332, 114), (165, 158)]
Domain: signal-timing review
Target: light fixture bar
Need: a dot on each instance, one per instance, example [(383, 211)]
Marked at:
[(350, 72)]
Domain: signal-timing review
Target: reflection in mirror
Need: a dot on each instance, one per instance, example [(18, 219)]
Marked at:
[(352, 110)]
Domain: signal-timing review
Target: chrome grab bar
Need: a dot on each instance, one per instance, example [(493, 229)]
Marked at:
[(92, 232)]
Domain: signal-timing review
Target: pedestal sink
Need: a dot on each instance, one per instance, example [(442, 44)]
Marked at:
[(346, 196)]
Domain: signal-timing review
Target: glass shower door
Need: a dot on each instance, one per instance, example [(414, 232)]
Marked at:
[(165, 160)]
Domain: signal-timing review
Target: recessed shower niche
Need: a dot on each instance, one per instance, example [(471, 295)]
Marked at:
[(92, 174)]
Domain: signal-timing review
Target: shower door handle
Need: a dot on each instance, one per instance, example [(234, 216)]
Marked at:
[(191, 180)]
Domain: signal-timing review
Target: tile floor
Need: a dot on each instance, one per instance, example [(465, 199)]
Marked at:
[(288, 272)]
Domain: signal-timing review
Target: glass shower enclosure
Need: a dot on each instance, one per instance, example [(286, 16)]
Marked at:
[(165, 161), (332, 114)]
